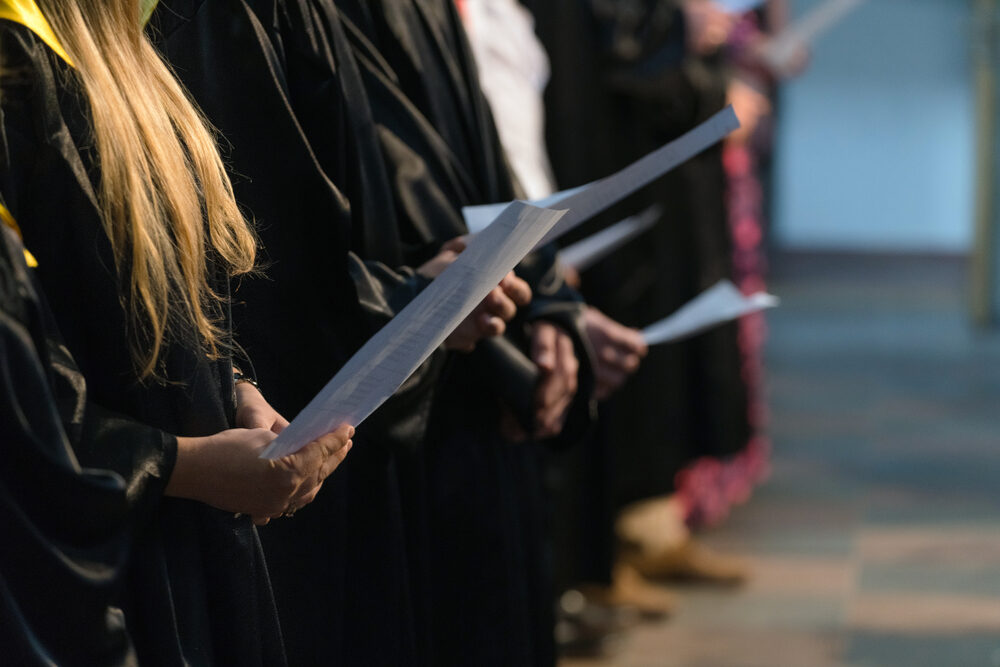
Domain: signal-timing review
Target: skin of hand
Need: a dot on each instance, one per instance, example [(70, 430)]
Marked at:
[(708, 25), (490, 317), (553, 353), (449, 253), (572, 277), (225, 471), (253, 411), (750, 106), (618, 350)]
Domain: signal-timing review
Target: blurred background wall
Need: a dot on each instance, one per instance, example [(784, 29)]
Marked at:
[(876, 144)]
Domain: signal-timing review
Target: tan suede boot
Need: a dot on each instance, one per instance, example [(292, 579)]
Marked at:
[(691, 562), (655, 541), (630, 589)]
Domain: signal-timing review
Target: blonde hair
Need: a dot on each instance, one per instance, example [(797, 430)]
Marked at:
[(166, 201)]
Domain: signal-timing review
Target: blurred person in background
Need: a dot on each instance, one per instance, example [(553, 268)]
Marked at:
[(631, 76), (682, 442)]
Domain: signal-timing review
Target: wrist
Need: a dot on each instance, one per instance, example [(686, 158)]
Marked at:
[(239, 378), (184, 479)]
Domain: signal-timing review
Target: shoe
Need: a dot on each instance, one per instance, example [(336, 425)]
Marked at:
[(585, 629), (688, 561), (655, 524), (630, 590)]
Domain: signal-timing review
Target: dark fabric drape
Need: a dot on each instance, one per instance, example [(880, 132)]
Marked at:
[(65, 536), (426, 134)]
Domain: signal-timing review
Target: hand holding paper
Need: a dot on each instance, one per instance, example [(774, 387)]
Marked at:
[(618, 351), (384, 363), (719, 304)]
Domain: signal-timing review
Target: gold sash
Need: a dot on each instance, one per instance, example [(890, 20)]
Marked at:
[(9, 220), (27, 13)]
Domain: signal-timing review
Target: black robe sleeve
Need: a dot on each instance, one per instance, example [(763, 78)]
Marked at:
[(64, 528)]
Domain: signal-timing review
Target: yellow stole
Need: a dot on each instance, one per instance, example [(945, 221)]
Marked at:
[(27, 13), (9, 220)]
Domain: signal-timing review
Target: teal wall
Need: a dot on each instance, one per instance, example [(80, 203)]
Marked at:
[(875, 142)]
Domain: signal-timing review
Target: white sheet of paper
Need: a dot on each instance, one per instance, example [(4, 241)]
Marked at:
[(585, 253), (478, 218), (782, 48), (719, 304), (587, 201), (739, 6), (385, 362)]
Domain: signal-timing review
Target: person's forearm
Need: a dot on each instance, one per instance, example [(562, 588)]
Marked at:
[(186, 479)]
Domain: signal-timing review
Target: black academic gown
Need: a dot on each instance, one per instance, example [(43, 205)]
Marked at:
[(196, 589), (64, 543), (341, 567), (621, 77)]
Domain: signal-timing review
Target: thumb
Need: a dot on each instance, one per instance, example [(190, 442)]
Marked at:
[(543, 346)]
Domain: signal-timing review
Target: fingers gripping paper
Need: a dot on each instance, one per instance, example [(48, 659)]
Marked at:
[(587, 201), (384, 363), (714, 306)]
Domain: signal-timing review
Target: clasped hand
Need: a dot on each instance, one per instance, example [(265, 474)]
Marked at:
[(553, 354), (490, 317)]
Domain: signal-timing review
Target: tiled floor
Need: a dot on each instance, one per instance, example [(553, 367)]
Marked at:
[(877, 540)]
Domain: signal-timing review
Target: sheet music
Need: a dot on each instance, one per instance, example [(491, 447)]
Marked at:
[(587, 201), (585, 253), (719, 304), (783, 47), (384, 363)]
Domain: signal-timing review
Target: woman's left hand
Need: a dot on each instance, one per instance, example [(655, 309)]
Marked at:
[(253, 411)]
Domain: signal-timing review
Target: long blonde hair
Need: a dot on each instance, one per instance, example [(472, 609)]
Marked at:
[(166, 201)]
